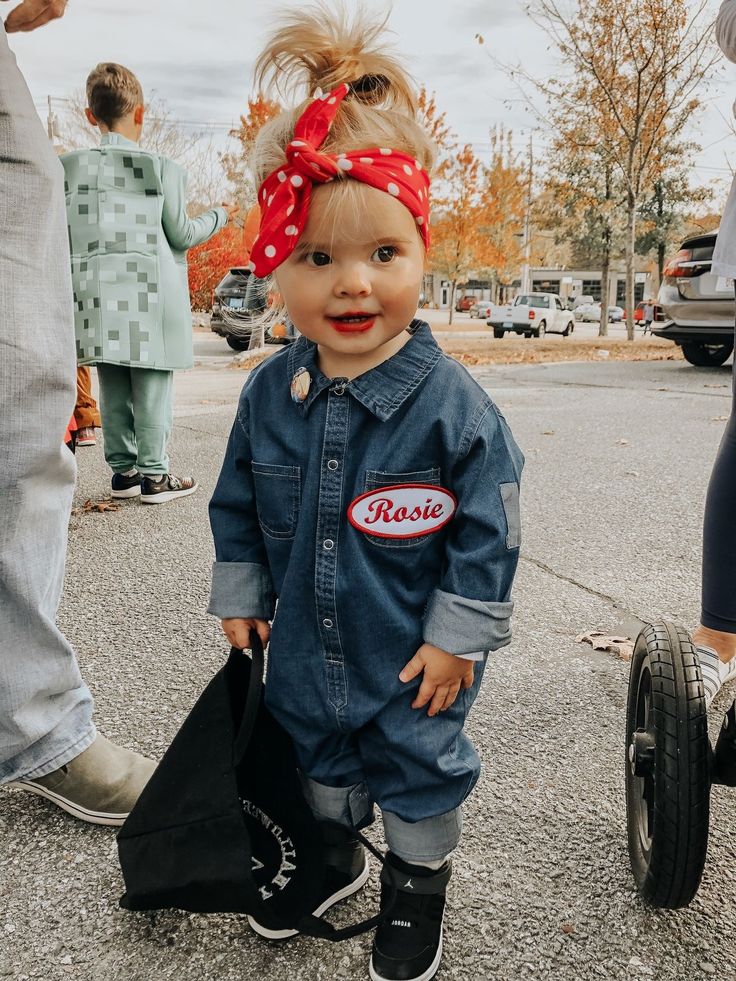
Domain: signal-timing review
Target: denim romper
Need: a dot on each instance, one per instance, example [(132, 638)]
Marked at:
[(353, 604)]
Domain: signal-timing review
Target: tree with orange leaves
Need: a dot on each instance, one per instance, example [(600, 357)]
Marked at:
[(458, 242), (260, 111)]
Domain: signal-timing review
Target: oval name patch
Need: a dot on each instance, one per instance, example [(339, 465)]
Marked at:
[(402, 511)]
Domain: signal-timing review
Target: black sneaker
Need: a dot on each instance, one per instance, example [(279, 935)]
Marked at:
[(124, 486), (408, 945), (346, 872), (159, 490)]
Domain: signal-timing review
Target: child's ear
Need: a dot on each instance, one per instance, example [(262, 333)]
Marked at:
[(138, 114), (91, 119)]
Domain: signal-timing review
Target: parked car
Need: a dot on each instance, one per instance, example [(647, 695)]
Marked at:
[(579, 301), (464, 303), (533, 315), (239, 299), (481, 310), (698, 305), (590, 312)]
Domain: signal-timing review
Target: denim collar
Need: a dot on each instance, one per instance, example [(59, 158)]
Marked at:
[(383, 389)]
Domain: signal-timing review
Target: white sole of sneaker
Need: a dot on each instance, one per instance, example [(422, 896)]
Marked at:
[(130, 492), (336, 897), (165, 496), (426, 975), (76, 810)]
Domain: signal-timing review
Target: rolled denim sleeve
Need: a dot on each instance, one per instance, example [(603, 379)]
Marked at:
[(471, 609), (241, 580)]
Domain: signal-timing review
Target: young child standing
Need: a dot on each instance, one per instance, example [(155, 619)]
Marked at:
[(369, 484), (129, 233)]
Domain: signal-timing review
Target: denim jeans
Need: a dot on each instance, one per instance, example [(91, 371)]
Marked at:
[(45, 707), (428, 840)]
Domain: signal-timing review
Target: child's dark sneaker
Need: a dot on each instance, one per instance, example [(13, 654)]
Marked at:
[(167, 487), (408, 945), (345, 873), (126, 484)]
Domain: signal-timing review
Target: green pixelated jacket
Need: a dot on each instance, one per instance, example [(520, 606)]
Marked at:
[(129, 233)]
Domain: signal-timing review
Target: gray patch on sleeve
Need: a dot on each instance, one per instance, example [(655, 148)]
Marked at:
[(510, 498)]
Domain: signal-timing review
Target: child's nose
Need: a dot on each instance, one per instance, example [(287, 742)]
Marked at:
[(353, 280)]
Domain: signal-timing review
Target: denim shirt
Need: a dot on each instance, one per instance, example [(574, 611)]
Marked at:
[(280, 521)]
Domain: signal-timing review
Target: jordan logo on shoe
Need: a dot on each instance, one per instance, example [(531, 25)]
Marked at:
[(408, 884)]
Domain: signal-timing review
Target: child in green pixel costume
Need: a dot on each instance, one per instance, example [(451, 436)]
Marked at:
[(129, 233)]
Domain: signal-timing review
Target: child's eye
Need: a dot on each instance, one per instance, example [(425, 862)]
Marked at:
[(317, 259), (385, 253)]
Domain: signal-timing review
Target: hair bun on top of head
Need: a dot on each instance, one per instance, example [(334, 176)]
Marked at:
[(321, 46)]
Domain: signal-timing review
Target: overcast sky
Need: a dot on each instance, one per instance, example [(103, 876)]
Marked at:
[(199, 56)]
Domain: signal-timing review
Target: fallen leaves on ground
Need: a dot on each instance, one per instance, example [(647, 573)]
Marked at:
[(600, 641), (485, 350), (101, 506), (520, 350)]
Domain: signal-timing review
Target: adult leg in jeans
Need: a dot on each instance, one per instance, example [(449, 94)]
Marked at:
[(716, 632), (45, 707)]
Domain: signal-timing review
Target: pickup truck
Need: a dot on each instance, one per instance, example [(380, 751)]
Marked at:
[(533, 315)]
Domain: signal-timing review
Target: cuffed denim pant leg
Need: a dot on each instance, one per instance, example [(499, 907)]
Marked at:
[(429, 840), (137, 414), (45, 708)]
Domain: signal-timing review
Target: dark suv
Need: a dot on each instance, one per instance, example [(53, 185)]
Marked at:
[(240, 298), (698, 305)]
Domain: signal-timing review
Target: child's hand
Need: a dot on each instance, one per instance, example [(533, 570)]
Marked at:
[(444, 676), (238, 631)]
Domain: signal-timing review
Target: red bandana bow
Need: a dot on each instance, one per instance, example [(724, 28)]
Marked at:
[(284, 195)]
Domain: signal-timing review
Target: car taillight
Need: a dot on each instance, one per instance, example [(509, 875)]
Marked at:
[(532, 315), (675, 267)]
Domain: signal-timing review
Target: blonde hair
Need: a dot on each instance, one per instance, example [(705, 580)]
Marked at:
[(318, 48), (112, 92), (312, 51)]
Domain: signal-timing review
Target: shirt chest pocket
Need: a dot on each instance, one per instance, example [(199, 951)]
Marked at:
[(376, 479), (278, 498)]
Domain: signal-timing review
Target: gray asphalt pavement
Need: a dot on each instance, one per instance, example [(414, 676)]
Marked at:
[(618, 457)]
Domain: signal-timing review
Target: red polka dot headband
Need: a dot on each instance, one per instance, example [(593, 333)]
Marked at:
[(285, 194)]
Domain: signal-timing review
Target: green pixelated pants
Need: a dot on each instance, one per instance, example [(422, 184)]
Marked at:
[(136, 410)]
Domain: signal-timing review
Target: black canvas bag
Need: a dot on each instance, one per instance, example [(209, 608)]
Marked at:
[(223, 825)]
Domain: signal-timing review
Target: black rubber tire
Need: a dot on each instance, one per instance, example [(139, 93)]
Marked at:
[(569, 329), (707, 355), (542, 329), (498, 333), (237, 344), (667, 813)]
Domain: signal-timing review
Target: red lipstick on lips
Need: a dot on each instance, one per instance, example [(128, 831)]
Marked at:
[(353, 322)]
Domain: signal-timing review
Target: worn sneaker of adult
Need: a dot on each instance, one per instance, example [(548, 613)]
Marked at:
[(126, 484), (408, 943), (346, 871), (715, 672), (99, 786), (86, 436), (167, 487)]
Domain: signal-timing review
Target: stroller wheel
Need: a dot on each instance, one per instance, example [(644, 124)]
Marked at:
[(667, 767)]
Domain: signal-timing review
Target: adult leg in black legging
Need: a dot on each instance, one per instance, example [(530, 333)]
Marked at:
[(717, 629)]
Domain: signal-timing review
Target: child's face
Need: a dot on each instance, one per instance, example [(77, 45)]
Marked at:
[(368, 264)]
